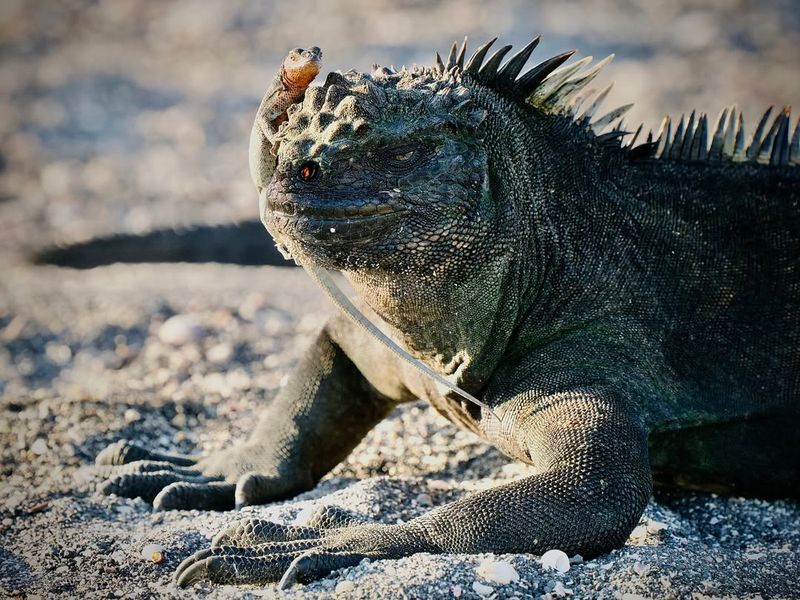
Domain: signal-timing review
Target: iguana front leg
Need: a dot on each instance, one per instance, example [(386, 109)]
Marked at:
[(315, 421), (593, 484)]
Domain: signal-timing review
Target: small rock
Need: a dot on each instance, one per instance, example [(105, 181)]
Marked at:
[(153, 553), (481, 589), (304, 516), (132, 415), (424, 500), (560, 591), (180, 330), (220, 354), (497, 571), (250, 306), (345, 587), (39, 447), (555, 560), (38, 507), (457, 590)]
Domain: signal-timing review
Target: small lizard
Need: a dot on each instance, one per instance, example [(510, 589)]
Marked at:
[(298, 70), (288, 87)]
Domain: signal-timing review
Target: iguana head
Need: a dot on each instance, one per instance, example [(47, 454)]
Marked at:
[(373, 166), (392, 170)]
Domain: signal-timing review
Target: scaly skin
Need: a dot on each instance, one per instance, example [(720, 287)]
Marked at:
[(625, 317)]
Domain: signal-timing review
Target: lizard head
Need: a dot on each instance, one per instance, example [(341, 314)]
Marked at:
[(375, 167), (301, 67), (410, 171)]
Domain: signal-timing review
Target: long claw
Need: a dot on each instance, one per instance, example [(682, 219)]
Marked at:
[(192, 573), (187, 562), (232, 565), (315, 564), (146, 466)]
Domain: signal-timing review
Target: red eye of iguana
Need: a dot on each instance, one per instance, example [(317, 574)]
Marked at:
[(308, 170)]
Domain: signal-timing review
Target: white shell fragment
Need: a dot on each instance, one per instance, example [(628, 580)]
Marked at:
[(638, 536), (153, 552), (645, 531), (481, 589), (497, 571), (655, 526), (555, 560)]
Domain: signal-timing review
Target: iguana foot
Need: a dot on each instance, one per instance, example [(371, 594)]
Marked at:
[(256, 551), (166, 480), (172, 481)]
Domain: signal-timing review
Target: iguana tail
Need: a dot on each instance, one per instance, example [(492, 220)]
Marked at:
[(243, 243)]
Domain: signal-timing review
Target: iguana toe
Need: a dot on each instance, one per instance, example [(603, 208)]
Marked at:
[(229, 564), (251, 532), (255, 551), (183, 495), (315, 565), (122, 452)]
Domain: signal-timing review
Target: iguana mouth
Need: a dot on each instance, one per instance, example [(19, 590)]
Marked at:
[(357, 209), (331, 224)]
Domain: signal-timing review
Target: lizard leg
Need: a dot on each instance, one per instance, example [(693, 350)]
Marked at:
[(593, 484), (325, 409)]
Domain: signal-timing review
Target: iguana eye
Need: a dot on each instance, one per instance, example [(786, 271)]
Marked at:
[(405, 156), (308, 170), (402, 158)]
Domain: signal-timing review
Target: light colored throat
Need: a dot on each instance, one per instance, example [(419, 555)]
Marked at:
[(338, 297)]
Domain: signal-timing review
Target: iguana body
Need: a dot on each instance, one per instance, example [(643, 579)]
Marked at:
[(627, 312)]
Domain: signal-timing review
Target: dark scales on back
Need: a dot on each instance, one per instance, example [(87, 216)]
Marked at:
[(630, 312)]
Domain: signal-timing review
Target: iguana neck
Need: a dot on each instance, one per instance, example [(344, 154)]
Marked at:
[(453, 326)]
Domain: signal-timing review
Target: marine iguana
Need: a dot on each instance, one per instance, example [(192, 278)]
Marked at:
[(627, 313)]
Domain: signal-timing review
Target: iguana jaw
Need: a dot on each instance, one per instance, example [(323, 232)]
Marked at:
[(322, 229)]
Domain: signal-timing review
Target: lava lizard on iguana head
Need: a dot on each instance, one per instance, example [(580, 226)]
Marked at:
[(623, 312), (296, 73)]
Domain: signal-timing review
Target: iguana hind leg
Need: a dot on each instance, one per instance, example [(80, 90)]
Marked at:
[(323, 412)]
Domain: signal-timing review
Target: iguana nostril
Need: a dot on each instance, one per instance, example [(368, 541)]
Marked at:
[(308, 170)]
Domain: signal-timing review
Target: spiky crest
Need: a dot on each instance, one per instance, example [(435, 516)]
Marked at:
[(558, 89), (551, 87)]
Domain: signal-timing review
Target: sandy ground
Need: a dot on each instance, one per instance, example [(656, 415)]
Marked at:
[(129, 115)]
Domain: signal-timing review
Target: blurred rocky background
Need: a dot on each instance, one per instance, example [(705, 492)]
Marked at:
[(123, 115), (128, 115)]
